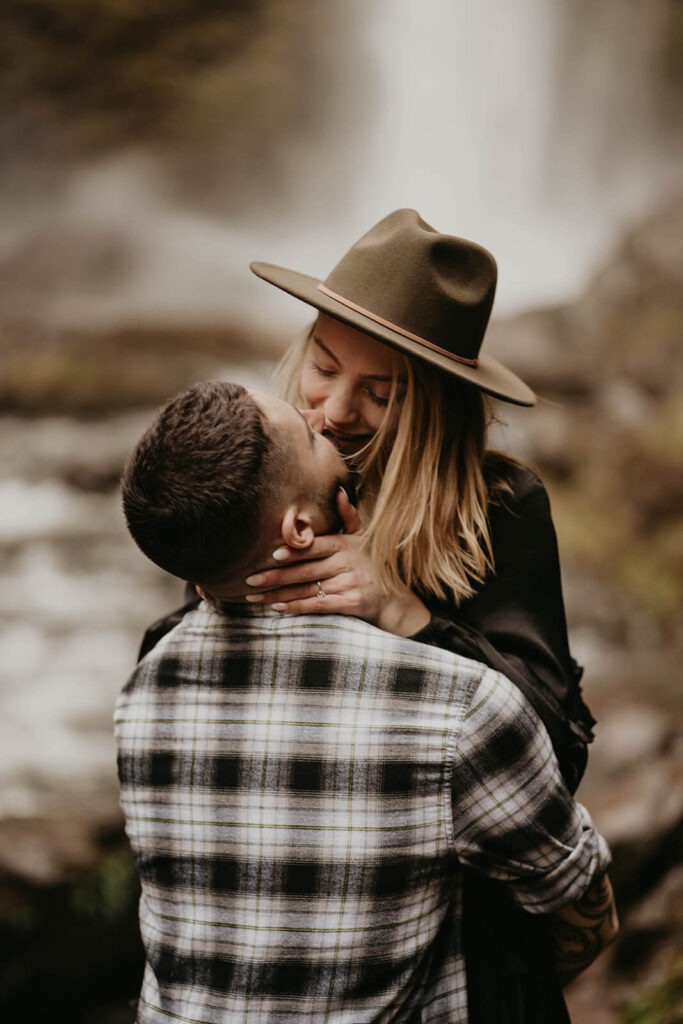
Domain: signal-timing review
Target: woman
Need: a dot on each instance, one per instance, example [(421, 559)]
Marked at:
[(457, 546)]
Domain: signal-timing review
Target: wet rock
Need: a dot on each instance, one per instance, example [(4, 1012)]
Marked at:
[(650, 260), (630, 738), (662, 909), (47, 851), (625, 329), (640, 813), (541, 346), (625, 402), (605, 614)]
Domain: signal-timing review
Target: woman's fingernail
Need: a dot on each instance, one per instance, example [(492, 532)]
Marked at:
[(279, 607), (281, 555), (255, 581), (254, 598)]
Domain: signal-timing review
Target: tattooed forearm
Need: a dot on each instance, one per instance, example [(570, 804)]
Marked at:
[(583, 929)]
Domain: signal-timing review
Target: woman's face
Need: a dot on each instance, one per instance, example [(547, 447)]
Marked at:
[(346, 383)]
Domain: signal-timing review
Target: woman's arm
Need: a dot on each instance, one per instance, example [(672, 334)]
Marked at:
[(516, 622), (519, 608)]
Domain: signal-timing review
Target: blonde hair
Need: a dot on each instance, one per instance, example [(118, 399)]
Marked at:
[(426, 489)]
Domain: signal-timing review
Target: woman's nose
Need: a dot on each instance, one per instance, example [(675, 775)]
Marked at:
[(340, 407)]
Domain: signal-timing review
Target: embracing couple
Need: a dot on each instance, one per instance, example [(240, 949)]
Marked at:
[(347, 766)]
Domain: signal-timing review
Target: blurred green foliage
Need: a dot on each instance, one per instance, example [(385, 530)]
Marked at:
[(83, 374), (661, 1004), (108, 892), (620, 509)]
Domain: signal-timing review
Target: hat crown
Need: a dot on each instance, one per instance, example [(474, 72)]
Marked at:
[(426, 294), (434, 286)]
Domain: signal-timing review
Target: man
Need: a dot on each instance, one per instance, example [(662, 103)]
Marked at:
[(301, 794)]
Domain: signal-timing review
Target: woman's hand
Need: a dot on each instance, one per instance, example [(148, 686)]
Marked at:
[(336, 565)]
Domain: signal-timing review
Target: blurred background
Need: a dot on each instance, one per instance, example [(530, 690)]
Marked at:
[(148, 152)]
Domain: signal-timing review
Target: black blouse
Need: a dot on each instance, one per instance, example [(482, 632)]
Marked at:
[(515, 623)]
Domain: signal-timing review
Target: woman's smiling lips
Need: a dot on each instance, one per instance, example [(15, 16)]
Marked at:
[(354, 441)]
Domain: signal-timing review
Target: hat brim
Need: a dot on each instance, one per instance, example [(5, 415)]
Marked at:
[(489, 375)]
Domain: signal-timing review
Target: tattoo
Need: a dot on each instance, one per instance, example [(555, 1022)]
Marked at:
[(584, 930)]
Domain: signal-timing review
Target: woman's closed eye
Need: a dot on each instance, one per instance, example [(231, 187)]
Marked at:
[(377, 399), (328, 373), (322, 371)]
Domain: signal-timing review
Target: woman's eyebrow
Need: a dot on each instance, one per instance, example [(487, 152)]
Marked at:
[(325, 349), (366, 376)]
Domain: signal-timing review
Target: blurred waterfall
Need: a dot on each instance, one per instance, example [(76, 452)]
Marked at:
[(536, 128)]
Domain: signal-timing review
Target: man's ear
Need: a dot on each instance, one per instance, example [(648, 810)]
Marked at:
[(297, 531)]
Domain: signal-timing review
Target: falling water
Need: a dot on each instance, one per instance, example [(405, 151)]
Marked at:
[(535, 128)]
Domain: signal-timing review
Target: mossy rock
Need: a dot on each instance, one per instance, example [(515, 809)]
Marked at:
[(663, 1002), (83, 374)]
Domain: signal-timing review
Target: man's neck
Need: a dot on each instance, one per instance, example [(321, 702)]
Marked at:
[(234, 589)]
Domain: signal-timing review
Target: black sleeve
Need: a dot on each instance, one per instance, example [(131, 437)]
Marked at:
[(163, 626), (516, 622)]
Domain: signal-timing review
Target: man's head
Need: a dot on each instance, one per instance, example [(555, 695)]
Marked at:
[(222, 476)]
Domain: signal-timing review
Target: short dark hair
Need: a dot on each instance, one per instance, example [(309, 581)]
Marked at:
[(195, 486)]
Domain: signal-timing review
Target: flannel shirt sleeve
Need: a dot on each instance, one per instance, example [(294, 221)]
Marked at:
[(513, 817)]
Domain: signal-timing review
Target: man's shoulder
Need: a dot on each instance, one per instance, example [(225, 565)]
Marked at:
[(343, 635), (177, 648), (500, 723), (215, 634)]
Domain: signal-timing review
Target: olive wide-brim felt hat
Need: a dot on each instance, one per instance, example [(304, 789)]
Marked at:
[(427, 294)]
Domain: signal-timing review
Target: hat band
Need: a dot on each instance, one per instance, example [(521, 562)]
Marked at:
[(395, 327)]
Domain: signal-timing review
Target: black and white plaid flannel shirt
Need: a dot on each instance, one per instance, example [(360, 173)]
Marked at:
[(300, 793)]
